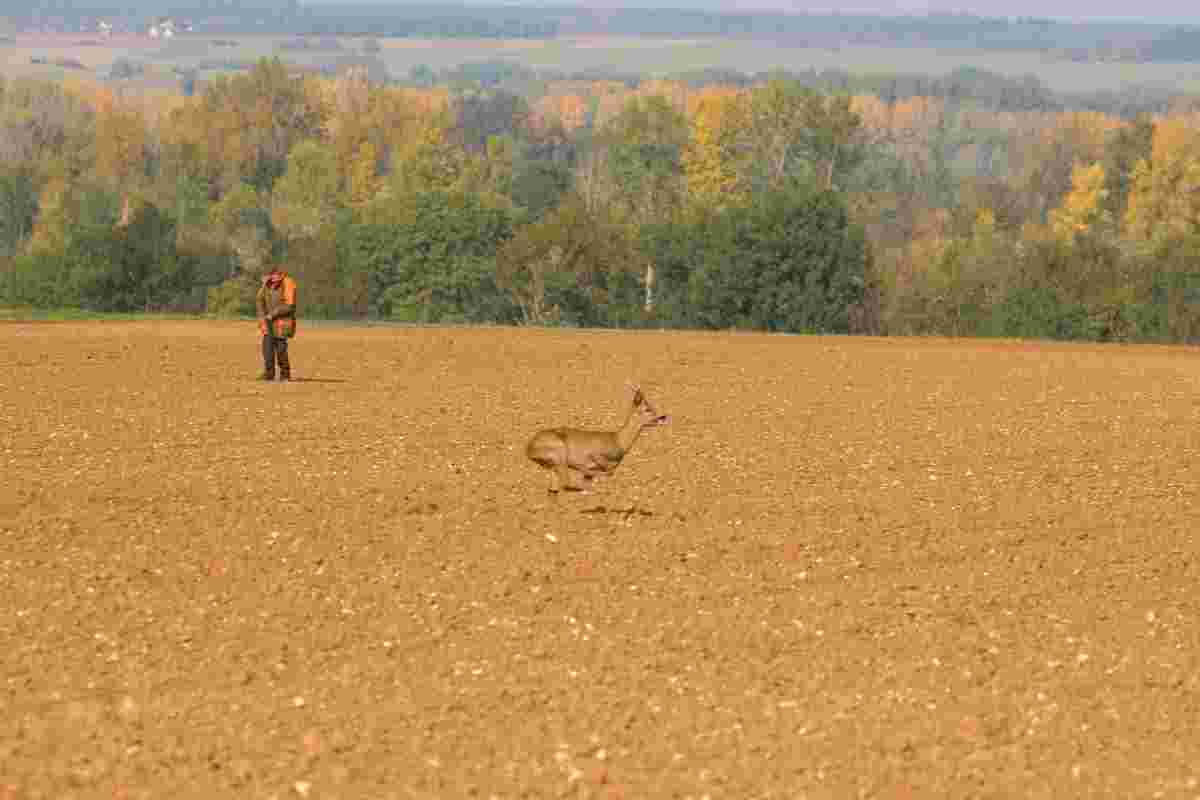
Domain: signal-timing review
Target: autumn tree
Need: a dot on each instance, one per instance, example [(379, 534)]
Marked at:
[(305, 197), (712, 159), (569, 111), (53, 218), (429, 161), (1084, 207), (46, 127), (1049, 155), (1164, 199), (362, 179), (369, 125), (243, 127), (1162, 225), (121, 144), (967, 278)]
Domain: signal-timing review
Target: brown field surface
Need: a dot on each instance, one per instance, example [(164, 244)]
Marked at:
[(848, 568)]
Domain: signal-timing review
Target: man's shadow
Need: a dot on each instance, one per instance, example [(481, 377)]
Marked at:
[(319, 380)]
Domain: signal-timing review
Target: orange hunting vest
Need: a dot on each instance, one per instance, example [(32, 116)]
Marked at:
[(284, 293)]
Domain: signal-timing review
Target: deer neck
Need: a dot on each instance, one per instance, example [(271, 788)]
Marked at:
[(629, 432)]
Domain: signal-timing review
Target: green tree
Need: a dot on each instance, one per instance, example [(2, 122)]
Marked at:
[(18, 208), (674, 248), (429, 257), (574, 265), (313, 260), (132, 267), (645, 143), (305, 198), (1126, 147), (538, 185), (796, 133), (778, 127), (243, 219), (789, 261)]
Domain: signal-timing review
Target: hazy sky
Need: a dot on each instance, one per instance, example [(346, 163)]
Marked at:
[(1146, 10)]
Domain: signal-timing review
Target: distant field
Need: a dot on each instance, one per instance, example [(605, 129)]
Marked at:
[(647, 56)]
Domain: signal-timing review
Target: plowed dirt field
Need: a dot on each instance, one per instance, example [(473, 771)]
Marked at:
[(847, 568)]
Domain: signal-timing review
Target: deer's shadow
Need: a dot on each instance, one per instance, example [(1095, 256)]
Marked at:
[(632, 511)]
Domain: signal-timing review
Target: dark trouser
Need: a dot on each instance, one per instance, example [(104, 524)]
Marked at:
[(274, 349)]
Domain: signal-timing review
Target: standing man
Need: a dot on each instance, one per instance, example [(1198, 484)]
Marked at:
[(276, 303)]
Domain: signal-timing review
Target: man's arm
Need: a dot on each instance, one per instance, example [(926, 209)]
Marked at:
[(260, 305)]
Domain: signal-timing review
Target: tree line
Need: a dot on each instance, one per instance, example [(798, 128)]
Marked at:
[(770, 205), (978, 89)]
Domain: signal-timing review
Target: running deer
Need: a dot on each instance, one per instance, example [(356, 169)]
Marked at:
[(589, 453)]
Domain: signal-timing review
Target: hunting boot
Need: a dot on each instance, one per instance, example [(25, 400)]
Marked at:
[(268, 353)]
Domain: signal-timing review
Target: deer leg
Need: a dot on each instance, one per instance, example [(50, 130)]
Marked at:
[(563, 473), (574, 480)]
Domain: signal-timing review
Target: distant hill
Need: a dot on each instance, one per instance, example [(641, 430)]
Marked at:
[(1081, 41)]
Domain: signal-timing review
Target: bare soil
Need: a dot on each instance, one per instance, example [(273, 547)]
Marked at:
[(848, 568)]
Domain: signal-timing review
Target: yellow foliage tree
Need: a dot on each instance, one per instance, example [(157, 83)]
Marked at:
[(53, 217), (489, 174), (709, 160), (362, 179), (1164, 200), (367, 124), (985, 224), (429, 161), (1083, 207)]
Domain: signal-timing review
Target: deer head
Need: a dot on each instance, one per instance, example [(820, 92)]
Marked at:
[(648, 414)]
